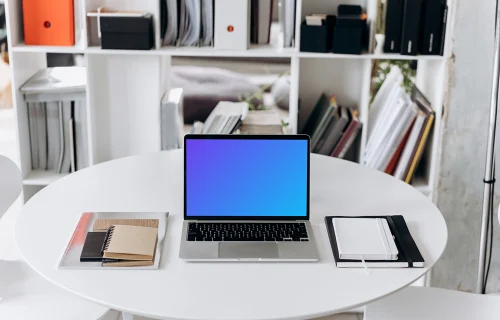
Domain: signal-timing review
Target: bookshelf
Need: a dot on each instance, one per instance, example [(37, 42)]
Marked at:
[(128, 124)]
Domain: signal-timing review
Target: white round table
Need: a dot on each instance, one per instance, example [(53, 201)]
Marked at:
[(184, 290)]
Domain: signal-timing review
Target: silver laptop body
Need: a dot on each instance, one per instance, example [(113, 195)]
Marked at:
[(244, 236)]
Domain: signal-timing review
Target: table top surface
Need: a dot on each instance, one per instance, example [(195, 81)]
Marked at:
[(189, 290)]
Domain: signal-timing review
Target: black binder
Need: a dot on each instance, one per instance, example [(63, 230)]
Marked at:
[(412, 15), (393, 23), (408, 254), (432, 25)]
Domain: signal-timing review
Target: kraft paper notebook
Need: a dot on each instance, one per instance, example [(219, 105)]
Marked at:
[(92, 221), (130, 243), (102, 225)]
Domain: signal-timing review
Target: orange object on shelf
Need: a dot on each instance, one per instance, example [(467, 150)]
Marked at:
[(49, 22)]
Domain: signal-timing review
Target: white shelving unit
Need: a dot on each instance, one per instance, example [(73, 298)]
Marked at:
[(125, 86)]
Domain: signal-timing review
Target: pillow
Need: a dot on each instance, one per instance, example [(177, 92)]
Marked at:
[(205, 87)]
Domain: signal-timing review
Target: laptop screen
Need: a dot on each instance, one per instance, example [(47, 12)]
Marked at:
[(246, 176)]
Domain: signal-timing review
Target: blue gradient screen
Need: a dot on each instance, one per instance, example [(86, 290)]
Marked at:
[(245, 177)]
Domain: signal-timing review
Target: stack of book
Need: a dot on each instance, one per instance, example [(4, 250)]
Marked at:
[(399, 127), (121, 242), (235, 118), (333, 129), (261, 122)]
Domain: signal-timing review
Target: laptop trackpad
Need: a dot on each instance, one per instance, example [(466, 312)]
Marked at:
[(234, 250)]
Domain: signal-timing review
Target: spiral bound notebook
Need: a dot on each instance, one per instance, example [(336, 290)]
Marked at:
[(130, 243)]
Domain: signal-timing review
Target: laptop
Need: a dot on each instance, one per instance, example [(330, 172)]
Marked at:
[(246, 198)]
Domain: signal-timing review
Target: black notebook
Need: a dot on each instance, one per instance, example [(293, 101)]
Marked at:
[(408, 254), (92, 248)]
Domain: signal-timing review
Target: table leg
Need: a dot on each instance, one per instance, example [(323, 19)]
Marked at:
[(127, 316)]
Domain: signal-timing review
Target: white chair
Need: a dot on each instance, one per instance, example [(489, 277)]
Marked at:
[(23, 293), (413, 303)]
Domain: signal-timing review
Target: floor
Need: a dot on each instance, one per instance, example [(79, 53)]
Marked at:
[(8, 248)]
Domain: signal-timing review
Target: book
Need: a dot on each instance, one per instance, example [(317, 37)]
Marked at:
[(125, 242), (409, 255), (254, 21), (264, 18), (420, 149), (395, 158), (225, 118), (92, 247), (348, 138), (66, 115), (328, 129), (33, 138), (327, 111), (125, 263), (396, 136), (425, 106), (287, 21), (81, 135), (102, 225), (317, 114), (411, 27), (53, 136), (379, 142), (207, 22), (171, 28), (393, 22), (41, 135), (376, 242), (432, 24), (335, 134), (411, 144)]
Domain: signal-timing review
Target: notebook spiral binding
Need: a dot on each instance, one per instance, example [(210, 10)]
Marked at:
[(107, 240)]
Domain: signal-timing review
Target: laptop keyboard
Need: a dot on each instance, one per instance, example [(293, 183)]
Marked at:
[(224, 231)]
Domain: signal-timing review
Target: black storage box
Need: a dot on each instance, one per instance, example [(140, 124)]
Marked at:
[(317, 38), (350, 30), (129, 33)]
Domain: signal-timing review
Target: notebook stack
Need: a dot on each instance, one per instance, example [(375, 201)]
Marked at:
[(121, 242), (372, 241), (333, 129)]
